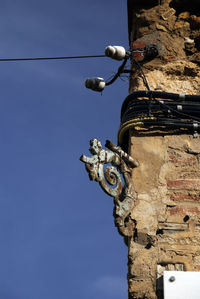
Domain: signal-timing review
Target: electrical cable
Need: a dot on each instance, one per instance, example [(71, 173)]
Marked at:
[(50, 58), (132, 103), (162, 103), (135, 114), (143, 75), (159, 109), (120, 70), (146, 84)]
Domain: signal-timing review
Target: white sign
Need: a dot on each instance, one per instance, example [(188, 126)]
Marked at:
[(181, 285)]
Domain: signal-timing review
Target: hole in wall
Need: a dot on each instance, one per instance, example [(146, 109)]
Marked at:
[(171, 206), (186, 218), (149, 245), (159, 232), (126, 219)]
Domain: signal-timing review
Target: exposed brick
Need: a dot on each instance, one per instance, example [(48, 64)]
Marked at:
[(182, 160), (185, 197), (183, 184), (138, 45), (183, 210)]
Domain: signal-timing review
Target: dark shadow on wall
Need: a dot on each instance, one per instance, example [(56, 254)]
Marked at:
[(192, 6)]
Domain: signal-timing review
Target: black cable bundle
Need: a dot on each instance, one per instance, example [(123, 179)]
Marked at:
[(167, 109)]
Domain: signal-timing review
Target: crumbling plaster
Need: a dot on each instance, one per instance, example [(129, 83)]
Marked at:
[(167, 184)]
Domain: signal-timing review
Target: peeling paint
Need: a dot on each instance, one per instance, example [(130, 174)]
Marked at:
[(110, 180)]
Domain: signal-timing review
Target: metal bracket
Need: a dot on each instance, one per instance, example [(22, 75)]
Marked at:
[(110, 180), (145, 53)]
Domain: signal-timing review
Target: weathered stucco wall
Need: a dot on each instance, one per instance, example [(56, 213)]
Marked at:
[(167, 211), (167, 182)]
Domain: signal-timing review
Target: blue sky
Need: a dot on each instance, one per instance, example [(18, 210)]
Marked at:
[(57, 232)]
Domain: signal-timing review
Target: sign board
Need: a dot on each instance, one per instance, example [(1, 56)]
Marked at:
[(181, 285)]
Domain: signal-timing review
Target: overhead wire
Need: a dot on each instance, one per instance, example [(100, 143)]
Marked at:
[(50, 58)]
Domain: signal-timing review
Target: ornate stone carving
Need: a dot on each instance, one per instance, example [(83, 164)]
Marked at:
[(114, 179)]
